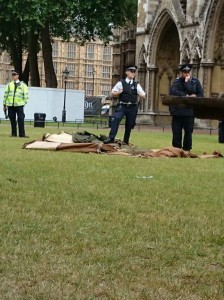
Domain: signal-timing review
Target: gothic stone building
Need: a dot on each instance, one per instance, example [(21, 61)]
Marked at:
[(173, 32)]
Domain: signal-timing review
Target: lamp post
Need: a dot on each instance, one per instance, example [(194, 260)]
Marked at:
[(94, 72), (65, 73)]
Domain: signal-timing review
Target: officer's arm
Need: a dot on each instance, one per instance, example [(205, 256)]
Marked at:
[(140, 91), (190, 89), (5, 97), (194, 90), (200, 92), (116, 94), (176, 90), (142, 95), (25, 93), (117, 89)]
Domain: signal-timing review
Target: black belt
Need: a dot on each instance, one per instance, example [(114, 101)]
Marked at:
[(127, 104)]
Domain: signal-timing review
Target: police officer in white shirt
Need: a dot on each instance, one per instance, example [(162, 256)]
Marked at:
[(127, 90)]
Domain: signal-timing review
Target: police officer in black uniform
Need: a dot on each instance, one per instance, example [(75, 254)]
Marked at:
[(183, 116), (128, 91)]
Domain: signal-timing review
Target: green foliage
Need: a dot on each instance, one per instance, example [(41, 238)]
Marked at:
[(98, 18), (67, 18), (83, 20)]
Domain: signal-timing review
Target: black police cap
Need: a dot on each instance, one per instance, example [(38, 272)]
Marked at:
[(186, 68), (15, 72), (131, 68)]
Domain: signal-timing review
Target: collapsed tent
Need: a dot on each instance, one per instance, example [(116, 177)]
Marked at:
[(85, 142)]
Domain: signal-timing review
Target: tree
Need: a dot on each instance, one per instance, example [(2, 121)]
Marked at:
[(99, 18), (23, 27)]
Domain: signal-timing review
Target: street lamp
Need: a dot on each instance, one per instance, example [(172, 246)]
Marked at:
[(65, 73), (94, 72)]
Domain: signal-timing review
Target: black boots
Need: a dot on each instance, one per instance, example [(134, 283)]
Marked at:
[(108, 141)]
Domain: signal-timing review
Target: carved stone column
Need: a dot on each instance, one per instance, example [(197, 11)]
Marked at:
[(151, 88), (141, 78), (206, 75), (147, 103)]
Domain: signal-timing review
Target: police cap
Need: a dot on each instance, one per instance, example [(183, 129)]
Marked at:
[(186, 68), (131, 68), (15, 72)]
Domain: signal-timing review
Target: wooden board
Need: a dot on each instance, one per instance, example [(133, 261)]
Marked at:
[(204, 108)]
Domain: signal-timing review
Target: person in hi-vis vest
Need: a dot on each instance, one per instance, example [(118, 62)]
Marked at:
[(15, 98)]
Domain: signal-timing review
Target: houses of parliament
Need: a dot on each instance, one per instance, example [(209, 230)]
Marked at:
[(89, 66)]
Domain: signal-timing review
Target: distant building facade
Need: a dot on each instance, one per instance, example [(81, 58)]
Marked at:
[(168, 34), (90, 66), (124, 49)]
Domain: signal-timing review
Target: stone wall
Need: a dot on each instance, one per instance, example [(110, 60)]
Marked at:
[(171, 32)]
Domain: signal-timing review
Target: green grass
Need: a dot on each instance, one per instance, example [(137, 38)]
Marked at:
[(85, 226)]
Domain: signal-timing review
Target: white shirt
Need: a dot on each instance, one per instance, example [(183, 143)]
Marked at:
[(118, 86)]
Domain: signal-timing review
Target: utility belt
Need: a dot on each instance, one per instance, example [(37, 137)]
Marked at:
[(126, 104)]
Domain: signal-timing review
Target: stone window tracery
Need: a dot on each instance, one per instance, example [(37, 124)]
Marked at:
[(183, 4)]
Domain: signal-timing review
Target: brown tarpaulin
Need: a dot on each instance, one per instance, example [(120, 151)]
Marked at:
[(62, 142)]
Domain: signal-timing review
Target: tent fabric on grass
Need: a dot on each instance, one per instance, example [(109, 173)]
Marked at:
[(63, 141)]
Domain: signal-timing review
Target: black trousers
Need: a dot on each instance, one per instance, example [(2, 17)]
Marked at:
[(130, 113), (13, 112), (180, 123)]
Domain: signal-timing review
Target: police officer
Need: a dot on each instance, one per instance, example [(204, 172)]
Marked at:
[(183, 116), (128, 91), (15, 97)]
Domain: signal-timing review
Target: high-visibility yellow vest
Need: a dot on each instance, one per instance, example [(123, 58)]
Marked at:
[(18, 97)]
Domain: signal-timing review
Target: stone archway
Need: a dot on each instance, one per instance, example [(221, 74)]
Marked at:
[(167, 61), (212, 48), (217, 74)]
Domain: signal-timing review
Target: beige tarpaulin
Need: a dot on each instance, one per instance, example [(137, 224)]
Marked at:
[(63, 142)]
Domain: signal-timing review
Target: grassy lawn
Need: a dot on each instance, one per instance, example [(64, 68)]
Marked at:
[(87, 226)]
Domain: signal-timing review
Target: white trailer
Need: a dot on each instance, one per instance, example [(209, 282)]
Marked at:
[(50, 102)]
